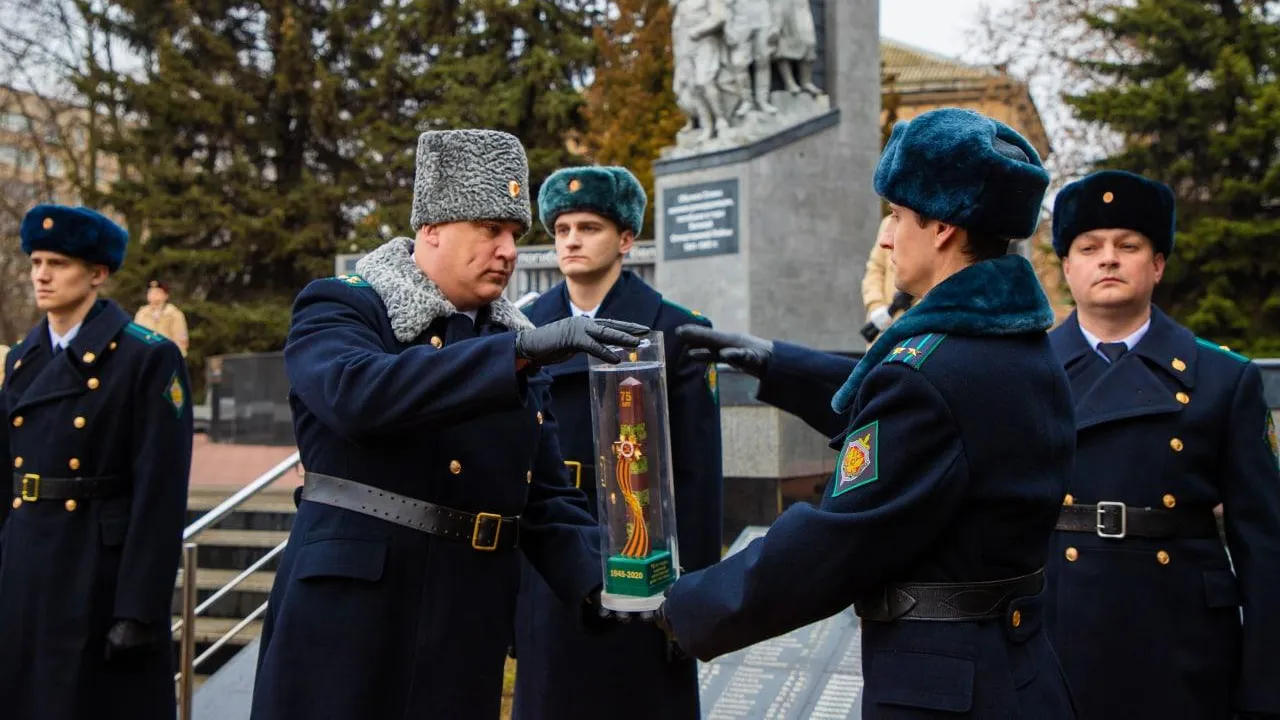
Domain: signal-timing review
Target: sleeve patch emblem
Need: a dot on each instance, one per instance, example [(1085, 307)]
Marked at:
[(175, 394), (1272, 440), (713, 381), (859, 463)]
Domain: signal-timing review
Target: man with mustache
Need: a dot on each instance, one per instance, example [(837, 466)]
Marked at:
[(955, 435), (425, 426), (595, 214), (1145, 603)]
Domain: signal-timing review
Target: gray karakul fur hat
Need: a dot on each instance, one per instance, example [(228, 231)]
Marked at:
[(470, 175)]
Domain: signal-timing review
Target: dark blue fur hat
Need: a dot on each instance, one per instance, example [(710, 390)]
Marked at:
[(611, 192), (76, 232), (1114, 199), (964, 168)]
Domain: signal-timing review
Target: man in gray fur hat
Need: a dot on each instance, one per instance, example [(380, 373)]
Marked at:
[(423, 419)]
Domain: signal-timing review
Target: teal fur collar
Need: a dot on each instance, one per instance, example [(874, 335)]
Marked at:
[(990, 298)]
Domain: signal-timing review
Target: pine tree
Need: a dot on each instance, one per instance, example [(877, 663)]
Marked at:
[(264, 138), (631, 109), (1199, 106)]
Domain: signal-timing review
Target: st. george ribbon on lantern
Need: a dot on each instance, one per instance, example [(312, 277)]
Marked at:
[(634, 485)]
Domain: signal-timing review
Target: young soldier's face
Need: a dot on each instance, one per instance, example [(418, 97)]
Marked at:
[(912, 250), (62, 282), (157, 296), (471, 262), (1112, 268), (588, 245)]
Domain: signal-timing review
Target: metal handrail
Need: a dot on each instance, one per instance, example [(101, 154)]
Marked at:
[(228, 506), (233, 583), (190, 611)]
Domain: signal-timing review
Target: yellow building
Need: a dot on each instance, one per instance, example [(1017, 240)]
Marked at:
[(916, 81)]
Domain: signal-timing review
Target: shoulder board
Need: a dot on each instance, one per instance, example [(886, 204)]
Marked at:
[(697, 316), (353, 280), (1222, 349), (147, 336), (915, 350)]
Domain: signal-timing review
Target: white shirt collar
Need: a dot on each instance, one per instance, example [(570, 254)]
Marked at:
[(471, 314), (63, 340), (579, 311), (1130, 342)]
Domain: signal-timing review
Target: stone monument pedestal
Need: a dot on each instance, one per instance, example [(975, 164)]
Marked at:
[(771, 238)]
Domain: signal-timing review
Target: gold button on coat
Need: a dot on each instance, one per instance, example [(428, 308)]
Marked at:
[(436, 341), (17, 365), (93, 383), (1169, 501), (78, 422), (17, 422), (539, 417), (1068, 500), (1016, 620), (112, 346), (1183, 398), (17, 503), (1179, 365), (1162, 557), (89, 357), (1176, 444), (455, 467), (1072, 554), (74, 463), (17, 462), (528, 477), (70, 506)]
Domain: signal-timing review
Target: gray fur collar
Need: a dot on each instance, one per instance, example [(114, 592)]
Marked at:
[(413, 301)]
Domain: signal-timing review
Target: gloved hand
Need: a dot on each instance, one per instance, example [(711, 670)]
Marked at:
[(562, 339), (674, 652), (128, 638), (748, 353), (880, 317)]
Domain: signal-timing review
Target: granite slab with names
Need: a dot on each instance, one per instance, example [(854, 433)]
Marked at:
[(812, 672)]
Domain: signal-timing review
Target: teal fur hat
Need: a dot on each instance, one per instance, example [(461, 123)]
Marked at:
[(966, 169), (611, 192), (1114, 199), (75, 232)]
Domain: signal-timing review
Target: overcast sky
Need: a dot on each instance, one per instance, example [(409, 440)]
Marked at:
[(942, 26)]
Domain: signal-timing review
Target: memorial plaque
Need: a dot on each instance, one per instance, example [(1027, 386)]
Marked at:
[(813, 671), (701, 219)]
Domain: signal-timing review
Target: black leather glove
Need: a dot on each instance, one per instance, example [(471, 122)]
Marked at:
[(748, 353), (128, 638), (674, 652), (596, 620), (563, 339)]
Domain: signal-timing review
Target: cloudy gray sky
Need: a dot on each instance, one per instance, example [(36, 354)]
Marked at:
[(943, 26)]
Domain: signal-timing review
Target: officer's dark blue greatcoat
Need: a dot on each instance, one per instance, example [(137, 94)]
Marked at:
[(956, 435), (372, 619), (563, 672), (1151, 627), (113, 409)]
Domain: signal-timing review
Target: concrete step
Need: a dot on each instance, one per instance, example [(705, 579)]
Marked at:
[(212, 579), (265, 539), (209, 630), (277, 498)]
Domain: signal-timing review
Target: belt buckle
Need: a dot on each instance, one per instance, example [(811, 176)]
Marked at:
[(475, 531), (576, 467), (30, 487), (1106, 529)]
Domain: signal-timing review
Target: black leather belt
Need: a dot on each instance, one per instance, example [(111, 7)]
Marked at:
[(32, 487), (1116, 520), (483, 531), (956, 602)]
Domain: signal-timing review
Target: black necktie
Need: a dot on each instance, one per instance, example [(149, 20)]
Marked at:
[(1113, 350)]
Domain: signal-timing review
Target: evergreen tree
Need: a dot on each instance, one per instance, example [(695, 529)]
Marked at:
[(518, 66), (1199, 106), (631, 109)]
